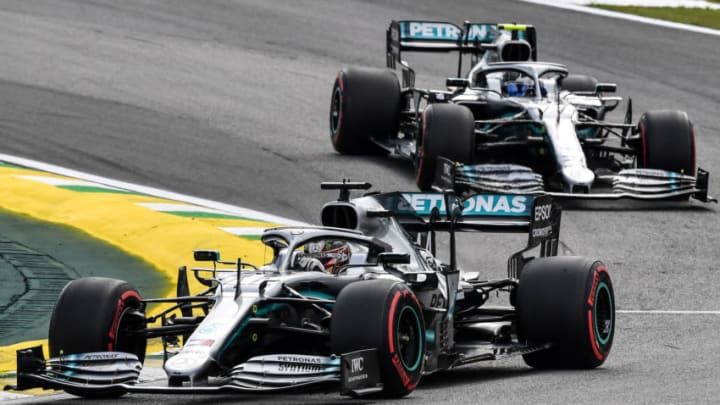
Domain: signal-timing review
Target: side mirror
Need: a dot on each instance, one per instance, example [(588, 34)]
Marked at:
[(457, 82), (393, 258), (206, 255), (605, 88)]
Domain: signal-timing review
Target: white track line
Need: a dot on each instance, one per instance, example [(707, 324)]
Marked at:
[(623, 16), (239, 211), (666, 312)]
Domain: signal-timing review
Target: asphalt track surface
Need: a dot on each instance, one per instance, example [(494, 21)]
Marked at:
[(228, 100)]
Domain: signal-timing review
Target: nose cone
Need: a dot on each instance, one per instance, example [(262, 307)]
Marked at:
[(578, 177)]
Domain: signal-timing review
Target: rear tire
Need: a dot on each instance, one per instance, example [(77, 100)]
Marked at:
[(385, 315), (568, 302), (667, 142), (365, 103), (576, 83), (448, 130)]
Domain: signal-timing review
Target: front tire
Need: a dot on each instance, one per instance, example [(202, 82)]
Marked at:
[(667, 142), (448, 130), (97, 314), (365, 104), (385, 315), (568, 302)]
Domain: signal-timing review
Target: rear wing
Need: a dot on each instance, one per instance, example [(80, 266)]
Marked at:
[(537, 215), (436, 36)]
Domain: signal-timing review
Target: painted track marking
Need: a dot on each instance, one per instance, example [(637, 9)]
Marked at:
[(666, 312), (629, 17)]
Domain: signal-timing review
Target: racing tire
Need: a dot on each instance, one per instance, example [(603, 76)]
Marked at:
[(96, 314), (568, 302), (448, 130), (365, 104), (667, 142), (384, 315), (579, 83)]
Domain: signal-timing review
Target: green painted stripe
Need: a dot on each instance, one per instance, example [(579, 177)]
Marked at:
[(3, 164), (210, 215), (250, 237), (93, 189)]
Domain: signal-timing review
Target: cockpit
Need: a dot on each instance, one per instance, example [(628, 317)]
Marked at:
[(529, 80)]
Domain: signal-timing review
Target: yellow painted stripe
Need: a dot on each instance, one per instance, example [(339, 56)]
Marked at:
[(164, 240)]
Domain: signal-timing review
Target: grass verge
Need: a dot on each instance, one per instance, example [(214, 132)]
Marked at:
[(695, 16)]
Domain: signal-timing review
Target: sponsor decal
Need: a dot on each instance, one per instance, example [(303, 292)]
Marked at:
[(357, 365), (208, 329), (300, 359), (544, 232), (193, 353), (476, 205), (187, 359), (360, 370), (482, 32), (544, 224), (358, 377), (430, 31), (299, 368), (102, 356), (200, 342), (438, 31), (542, 212)]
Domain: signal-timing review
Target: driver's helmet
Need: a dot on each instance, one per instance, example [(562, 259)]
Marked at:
[(333, 254), (514, 85)]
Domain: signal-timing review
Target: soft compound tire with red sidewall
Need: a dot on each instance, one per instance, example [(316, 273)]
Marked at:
[(447, 130), (566, 301), (91, 314), (384, 315), (667, 142), (365, 104)]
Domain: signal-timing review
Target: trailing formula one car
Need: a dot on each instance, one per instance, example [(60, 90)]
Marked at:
[(514, 124), (361, 302)]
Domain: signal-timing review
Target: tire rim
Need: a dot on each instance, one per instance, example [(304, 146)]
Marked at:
[(409, 338), (336, 111), (603, 313), (126, 339)]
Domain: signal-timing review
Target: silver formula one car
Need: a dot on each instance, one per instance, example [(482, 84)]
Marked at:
[(514, 124), (362, 303)]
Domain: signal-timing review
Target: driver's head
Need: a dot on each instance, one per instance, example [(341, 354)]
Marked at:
[(333, 254)]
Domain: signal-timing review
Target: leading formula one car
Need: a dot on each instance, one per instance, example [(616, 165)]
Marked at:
[(514, 124), (361, 302)]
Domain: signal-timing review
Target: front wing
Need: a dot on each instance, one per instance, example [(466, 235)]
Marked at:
[(104, 374), (638, 184)]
